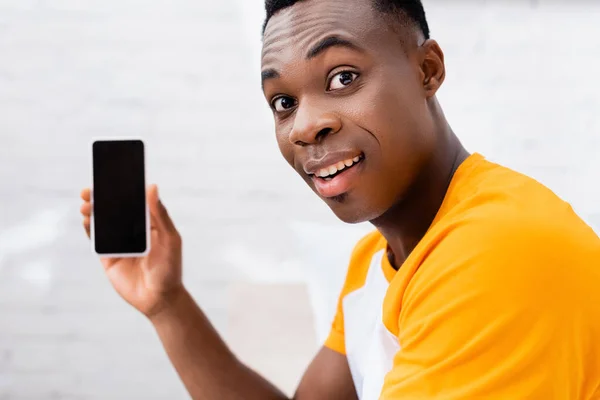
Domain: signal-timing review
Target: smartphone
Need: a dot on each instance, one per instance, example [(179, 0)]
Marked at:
[(120, 223)]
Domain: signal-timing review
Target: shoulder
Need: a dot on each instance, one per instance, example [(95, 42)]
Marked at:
[(367, 246), (501, 210), (508, 272), (361, 259), (511, 239)]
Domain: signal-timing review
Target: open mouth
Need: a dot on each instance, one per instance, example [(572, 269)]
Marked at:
[(334, 170)]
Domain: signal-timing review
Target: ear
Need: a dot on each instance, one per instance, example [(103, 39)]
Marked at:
[(433, 69)]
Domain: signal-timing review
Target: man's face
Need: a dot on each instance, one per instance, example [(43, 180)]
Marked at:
[(350, 109)]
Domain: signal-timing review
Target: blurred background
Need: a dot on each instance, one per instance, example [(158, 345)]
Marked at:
[(262, 255)]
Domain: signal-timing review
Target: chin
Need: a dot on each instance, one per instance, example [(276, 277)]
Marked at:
[(353, 212)]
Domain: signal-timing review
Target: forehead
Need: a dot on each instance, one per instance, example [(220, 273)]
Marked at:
[(296, 27)]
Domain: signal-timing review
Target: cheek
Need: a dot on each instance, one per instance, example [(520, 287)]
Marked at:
[(394, 114), (285, 147)]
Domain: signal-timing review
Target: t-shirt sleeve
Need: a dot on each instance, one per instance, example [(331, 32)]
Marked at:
[(486, 317), (335, 340), (355, 278)]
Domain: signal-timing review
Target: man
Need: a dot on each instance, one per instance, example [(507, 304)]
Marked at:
[(478, 281)]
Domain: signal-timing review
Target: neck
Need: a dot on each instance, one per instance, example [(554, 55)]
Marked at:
[(405, 224)]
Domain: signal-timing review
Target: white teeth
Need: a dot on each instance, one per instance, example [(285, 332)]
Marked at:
[(325, 172)]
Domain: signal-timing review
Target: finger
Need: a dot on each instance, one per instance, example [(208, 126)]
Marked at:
[(154, 224), (152, 198), (86, 194), (166, 217), (86, 209), (158, 210), (86, 225)]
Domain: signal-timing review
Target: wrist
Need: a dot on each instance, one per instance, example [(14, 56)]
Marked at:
[(170, 306)]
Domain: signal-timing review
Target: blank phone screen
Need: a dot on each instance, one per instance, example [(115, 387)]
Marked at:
[(119, 197)]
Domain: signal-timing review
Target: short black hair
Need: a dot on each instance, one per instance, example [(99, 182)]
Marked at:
[(411, 9)]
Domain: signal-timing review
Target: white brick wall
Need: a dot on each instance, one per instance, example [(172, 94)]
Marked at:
[(521, 88)]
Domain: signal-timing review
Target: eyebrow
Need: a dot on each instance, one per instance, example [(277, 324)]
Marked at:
[(328, 42), (320, 47), (268, 74)]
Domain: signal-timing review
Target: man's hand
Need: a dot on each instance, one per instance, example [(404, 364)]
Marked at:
[(147, 283), (152, 284)]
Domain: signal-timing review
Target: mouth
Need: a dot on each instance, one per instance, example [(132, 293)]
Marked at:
[(328, 173), (337, 179)]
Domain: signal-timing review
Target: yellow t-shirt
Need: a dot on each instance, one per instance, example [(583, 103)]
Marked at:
[(499, 300)]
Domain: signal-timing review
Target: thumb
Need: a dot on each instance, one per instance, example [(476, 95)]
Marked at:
[(158, 210)]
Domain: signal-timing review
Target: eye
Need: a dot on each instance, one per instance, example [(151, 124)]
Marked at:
[(283, 103), (341, 80)]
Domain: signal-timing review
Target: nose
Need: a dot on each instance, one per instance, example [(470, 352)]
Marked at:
[(312, 124)]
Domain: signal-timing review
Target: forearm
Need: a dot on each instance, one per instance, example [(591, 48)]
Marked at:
[(206, 366)]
